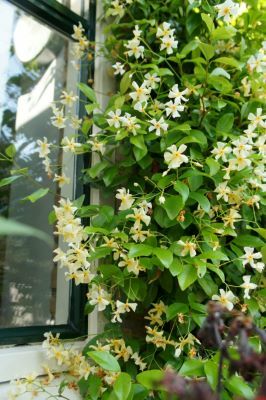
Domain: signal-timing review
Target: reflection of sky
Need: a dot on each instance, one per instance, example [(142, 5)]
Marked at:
[(7, 68)]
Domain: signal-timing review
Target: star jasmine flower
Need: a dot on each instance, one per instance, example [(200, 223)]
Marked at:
[(174, 156), (126, 199), (134, 48), (177, 95), (223, 190), (221, 151), (44, 147), (58, 120), (227, 299), (173, 108), (257, 119), (97, 146), (158, 126), (68, 98), (151, 80), (141, 92), (231, 217), (164, 30), (139, 216), (250, 256), (137, 32), (119, 68), (247, 286), (70, 144), (188, 247), (227, 10), (169, 43), (115, 118)]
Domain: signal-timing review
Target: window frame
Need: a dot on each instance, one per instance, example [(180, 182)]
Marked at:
[(61, 19)]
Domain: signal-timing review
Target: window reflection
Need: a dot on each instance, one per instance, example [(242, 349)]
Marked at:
[(33, 71)]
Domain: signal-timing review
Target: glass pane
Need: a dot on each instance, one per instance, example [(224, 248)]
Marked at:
[(77, 6), (34, 69)]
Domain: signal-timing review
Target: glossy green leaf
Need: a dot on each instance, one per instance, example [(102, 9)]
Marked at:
[(182, 189), (192, 367), (122, 386), (202, 200), (9, 180), (173, 205), (104, 360), (38, 194), (187, 276), (88, 91), (150, 379), (164, 255), (173, 310), (208, 21), (139, 250)]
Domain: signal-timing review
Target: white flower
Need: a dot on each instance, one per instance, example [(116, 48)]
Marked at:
[(242, 148), (240, 162), (134, 48), (174, 157), (258, 119), (130, 123), (138, 361), (158, 126), (151, 80), (259, 266), (173, 108), (138, 235), (137, 32), (99, 296), (131, 264), (44, 147), (221, 151), (139, 216), (68, 98), (161, 199), (125, 307), (75, 122), (58, 120), (119, 68), (231, 217), (126, 199), (70, 144), (115, 118), (226, 299), (117, 8), (78, 31), (61, 179), (247, 285), (177, 95), (227, 10), (141, 92), (165, 30), (169, 43), (188, 247), (250, 256), (257, 63), (97, 146), (223, 190)]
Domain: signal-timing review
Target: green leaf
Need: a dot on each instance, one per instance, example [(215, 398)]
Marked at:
[(88, 91), (10, 179), (207, 50), (11, 151), (95, 229), (122, 386), (228, 61), (202, 200), (225, 123), (105, 360), (224, 32), (176, 308), (248, 240), (94, 387), (90, 107), (135, 289), (150, 379), (173, 205), (38, 194), (187, 276), (125, 82), (192, 368), (182, 189), (208, 21), (211, 371), (261, 232), (176, 267), (220, 83), (164, 255), (8, 227), (238, 386), (213, 165), (98, 168), (139, 250)]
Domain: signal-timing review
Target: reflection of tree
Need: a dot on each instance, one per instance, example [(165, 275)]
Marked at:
[(20, 255)]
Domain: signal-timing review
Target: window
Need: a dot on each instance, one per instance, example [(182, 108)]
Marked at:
[(36, 65)]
